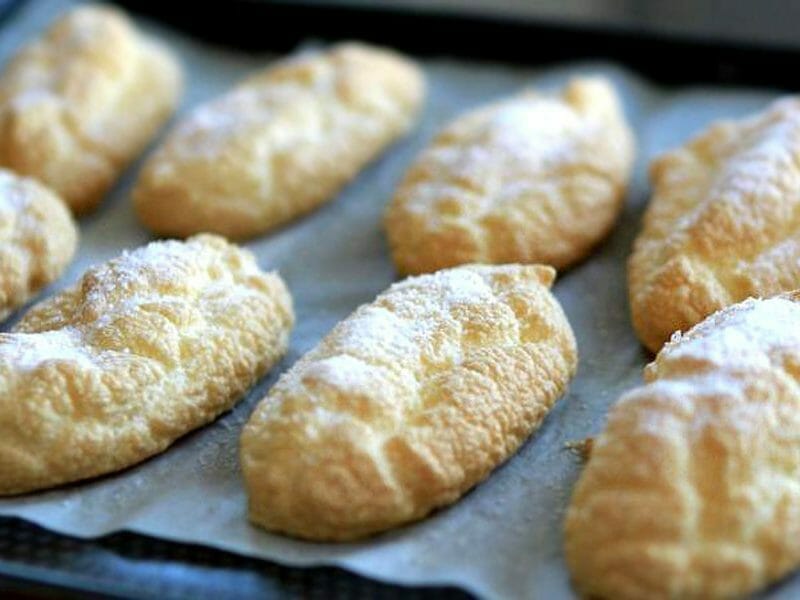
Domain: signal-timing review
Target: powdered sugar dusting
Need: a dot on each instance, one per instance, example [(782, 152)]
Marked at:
[(450, 286), (417, 326), (504, 144), (397, 329), (745, 341), (28, 351), (534, 128), (741, 334), (38, 238)]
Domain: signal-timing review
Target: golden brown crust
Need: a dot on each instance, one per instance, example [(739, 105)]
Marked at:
[(408, 403), (692, 489), (721, 225), (38, 239), (281, 143), (531, 179), (79, 103), (141, 351)]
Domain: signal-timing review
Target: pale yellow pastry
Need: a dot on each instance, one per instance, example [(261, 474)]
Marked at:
[(79, 103), (279, 144), (38, 239), (534, 179), (722, 224), (142, 350), (693, 489), (408, 403)]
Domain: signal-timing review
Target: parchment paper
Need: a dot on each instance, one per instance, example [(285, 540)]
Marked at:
[(503, 539)]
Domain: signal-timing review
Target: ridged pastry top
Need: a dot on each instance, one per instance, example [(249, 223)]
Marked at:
[(38, 239), (693, 489), (77, 104), (143, 349), (280, 143), (534, 178), (408, 402), (722, 223)]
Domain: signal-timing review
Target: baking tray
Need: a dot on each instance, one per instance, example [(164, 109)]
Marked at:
[(38, 562)]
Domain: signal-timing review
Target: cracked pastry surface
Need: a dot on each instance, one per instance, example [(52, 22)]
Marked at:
[(142, 350), (692, 490), (38, 239), (279, 144), (722, 224), (534, 178), (82, 101), (408, 403)]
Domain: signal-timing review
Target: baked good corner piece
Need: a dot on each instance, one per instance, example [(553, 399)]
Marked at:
[(693, 488), (408, 403), (79, 103), (142, 350)]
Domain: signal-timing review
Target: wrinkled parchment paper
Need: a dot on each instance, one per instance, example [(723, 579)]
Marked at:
[(503, 539)]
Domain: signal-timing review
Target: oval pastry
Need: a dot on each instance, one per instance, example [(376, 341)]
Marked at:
[(692, 490), (141, 351), (531, 179), (722, 223), (81, 102), (278, 145), (38, 239), (408, 403)]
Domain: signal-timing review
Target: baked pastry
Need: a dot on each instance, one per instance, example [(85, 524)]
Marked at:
[(279, 144), (721, 225), (692, 489), (145, 348), (79, 103), (533, 179), (38, 239), (408, 403)]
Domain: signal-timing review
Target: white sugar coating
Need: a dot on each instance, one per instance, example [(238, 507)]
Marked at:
[(767, 159), (123, 284), (143, 349), (533, 128), (408, 402), (695, 476), (16, 201), (12, 199), (531, 132), (769, 321), (212, 126), (402, 331), (342, 370), (529, 179), (742, 338), (376, 324), (417, 322), (376, 337), (451, 286), (279, 144), (38, 239), (29, 351), (163, 274), (722, 225)]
